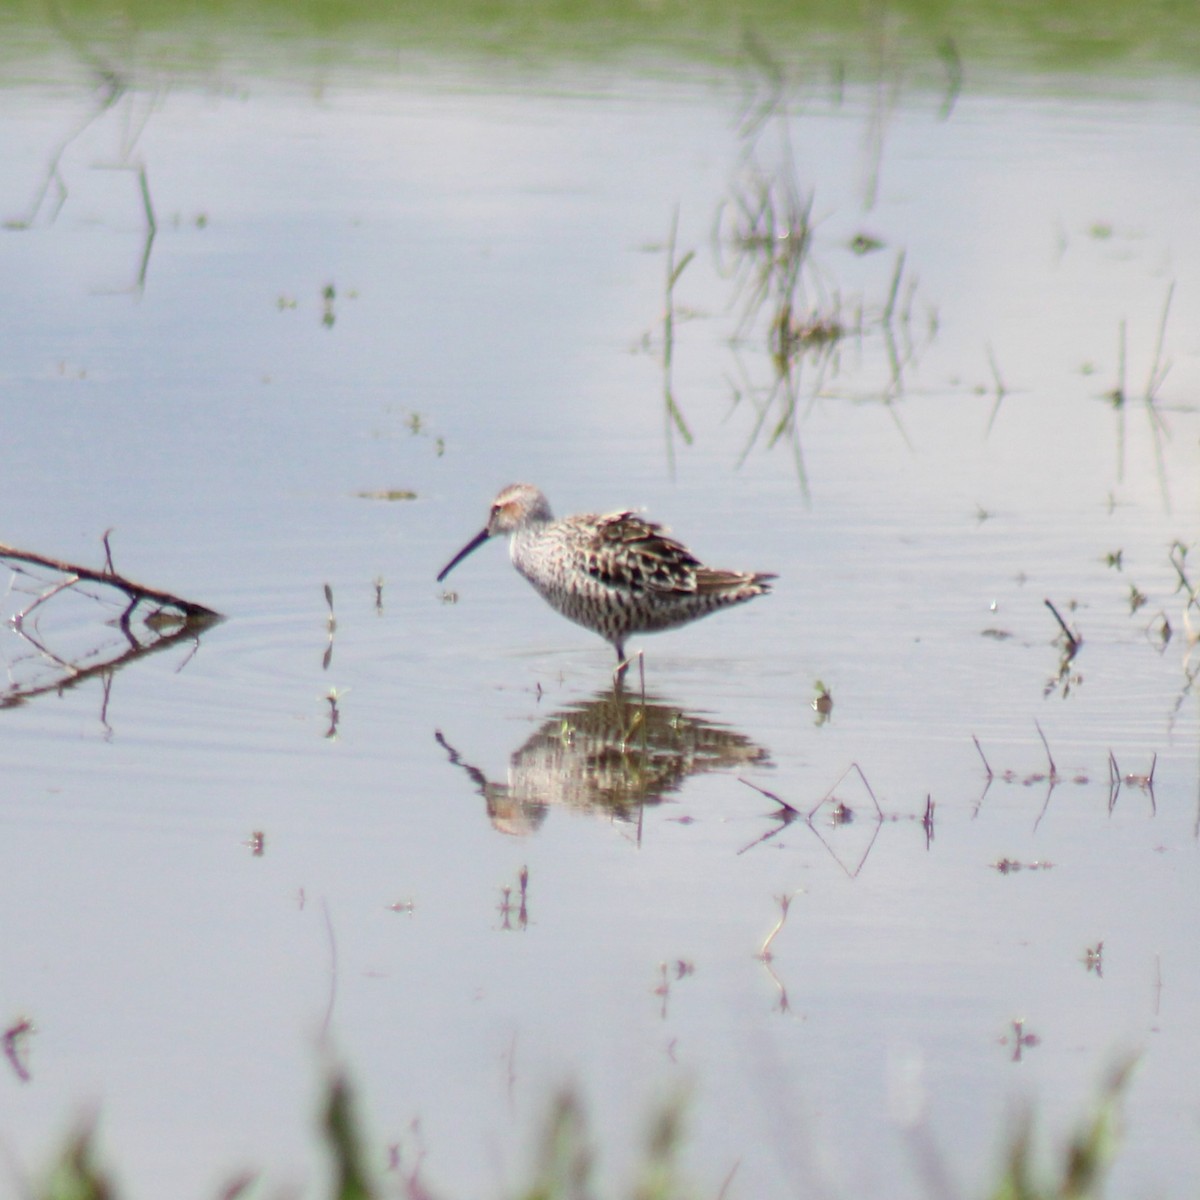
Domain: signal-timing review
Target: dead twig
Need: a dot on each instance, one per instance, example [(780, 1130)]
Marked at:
[(137, 592), (785, 902), (1050, 757), (772, 796), (986, 765), (171, 619), (1116, 778), (16, 1044), (1074, 640)]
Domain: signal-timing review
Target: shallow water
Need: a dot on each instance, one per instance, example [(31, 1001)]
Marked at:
[(497, 260)]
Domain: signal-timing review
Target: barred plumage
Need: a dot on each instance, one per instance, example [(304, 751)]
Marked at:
[(615, 574)]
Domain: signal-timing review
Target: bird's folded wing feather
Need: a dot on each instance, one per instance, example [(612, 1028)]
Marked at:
[(623, 550)]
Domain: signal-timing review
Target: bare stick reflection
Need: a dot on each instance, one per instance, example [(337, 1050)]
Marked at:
[(848, 840)]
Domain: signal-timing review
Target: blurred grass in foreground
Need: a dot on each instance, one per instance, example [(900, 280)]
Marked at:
[(565, 1160)]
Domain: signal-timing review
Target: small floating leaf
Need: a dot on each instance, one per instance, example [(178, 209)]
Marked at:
[(387, 494), (864, 243)]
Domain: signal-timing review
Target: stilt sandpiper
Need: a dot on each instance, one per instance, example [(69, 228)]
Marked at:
[(615, 574)]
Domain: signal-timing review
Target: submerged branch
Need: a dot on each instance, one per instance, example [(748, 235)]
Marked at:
[(137, 592), (168, 619)]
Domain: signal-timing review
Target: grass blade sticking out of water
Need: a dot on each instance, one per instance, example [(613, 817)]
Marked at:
[(344, 1137), (659, 1176), (1086, 1159), (564, 1169), (76, 1175), (565, 1160)]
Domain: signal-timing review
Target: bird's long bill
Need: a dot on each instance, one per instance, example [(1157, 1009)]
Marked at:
[(473, 544)]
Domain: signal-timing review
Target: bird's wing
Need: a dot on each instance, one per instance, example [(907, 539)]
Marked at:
[(624, 550)]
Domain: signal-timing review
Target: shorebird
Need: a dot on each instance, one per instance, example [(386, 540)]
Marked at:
[(615, 574)]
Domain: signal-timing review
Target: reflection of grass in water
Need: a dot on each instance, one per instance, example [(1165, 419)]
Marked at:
[(674, 416), (763, 243), (565, 1163), (763, 239), (1118, 397)]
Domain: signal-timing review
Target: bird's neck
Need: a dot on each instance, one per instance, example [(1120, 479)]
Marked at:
[(521, 543)]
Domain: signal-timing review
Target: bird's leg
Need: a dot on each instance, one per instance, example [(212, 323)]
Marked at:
[(622, 665)]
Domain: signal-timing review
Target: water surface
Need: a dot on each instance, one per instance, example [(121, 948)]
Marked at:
[(434, 285)]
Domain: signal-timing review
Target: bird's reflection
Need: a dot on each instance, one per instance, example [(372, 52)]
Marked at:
[(612, 754)]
